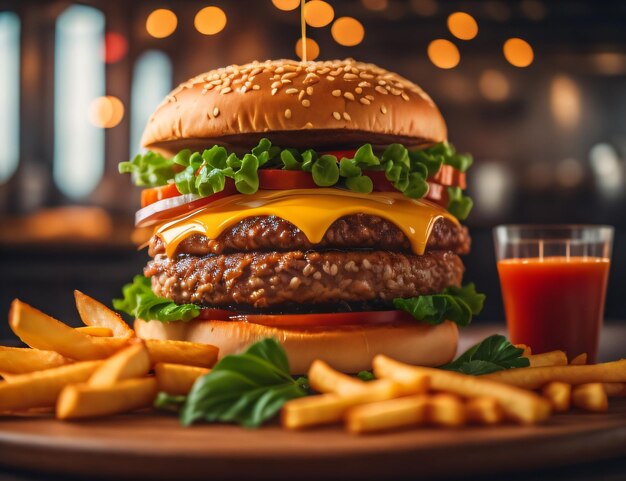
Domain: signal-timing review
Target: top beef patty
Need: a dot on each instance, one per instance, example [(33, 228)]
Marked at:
[(358, 231)]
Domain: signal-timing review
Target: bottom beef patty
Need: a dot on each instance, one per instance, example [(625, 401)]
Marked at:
[(265, 279)]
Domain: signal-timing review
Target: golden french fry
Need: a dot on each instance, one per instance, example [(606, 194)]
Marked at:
[(130, 362), (330, 408), (181, 352), (386, 415), (527, 350), (559, 395), (96, 314), (536, 377), (20, 360), (579, 360), (41, 388), (41, 331), (445, 410), (95, 331), (552, 358), (518, 404), (615, 389), (176, 378), (591, 397), (86, 401), (484, 410)]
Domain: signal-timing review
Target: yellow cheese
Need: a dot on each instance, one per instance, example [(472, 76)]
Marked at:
[(310, 210)]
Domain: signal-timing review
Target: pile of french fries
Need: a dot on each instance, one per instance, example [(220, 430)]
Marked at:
[(96, 370), (405, 396)]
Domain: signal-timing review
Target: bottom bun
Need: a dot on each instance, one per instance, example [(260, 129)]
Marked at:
[(349, 349)]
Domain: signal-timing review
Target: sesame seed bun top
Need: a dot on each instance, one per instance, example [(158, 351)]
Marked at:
[(337, 103)]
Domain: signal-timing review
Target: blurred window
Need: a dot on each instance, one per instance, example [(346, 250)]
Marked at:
[(152, 80), (9, 94), (78, 80)]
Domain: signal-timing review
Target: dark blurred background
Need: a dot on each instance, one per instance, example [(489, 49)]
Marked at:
[(544, 116)]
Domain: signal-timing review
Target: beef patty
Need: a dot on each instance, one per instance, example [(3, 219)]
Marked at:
[(358, 231), (265, 279)]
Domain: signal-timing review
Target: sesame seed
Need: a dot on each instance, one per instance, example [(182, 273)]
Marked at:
[(358, 90), (348, 95), (306, 103), (274, 91), (346, 116), (288, 113), (365, 84), (369, 97), (243, 89), (275, 85), (364, 101), (336, 93), (382, 82), (301, 94), (396, 91), (311, 79), (291, 91), (289, 75), (330, 77), (216, 112), (380, 90), (308, 125), (256, 87), (285, 81), (350, 76), (405, 96), (225, 90), (337, 115), (309, 90), (383, 109)]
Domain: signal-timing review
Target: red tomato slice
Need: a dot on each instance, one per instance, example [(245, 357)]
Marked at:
[(328, 320), (155, 194), (277, 179), (341, 153), (215, 314), (449, 176)]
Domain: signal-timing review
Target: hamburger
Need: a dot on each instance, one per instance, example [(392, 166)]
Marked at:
[(318, 203)]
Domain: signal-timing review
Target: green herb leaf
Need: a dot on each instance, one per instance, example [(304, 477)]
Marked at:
[(456, 304), (366, 376), (148, 170), (361, 183), (459, 205), (248, 388), (139, 301), (495, 353), (325, 171)]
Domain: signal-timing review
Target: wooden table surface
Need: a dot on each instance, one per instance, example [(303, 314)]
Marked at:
[(154, 446)]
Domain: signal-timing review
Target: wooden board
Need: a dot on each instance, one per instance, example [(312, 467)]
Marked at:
[(155, 446)]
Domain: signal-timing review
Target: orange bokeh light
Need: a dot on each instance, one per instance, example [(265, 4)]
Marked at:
[(347, 31), (286, 5), (312, 49), (518, 52), (106, 112), (443, 53), (210, 20), (161, 23), (318, 13), (462, 25)]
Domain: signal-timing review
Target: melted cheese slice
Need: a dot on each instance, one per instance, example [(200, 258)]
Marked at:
[(310, 210)]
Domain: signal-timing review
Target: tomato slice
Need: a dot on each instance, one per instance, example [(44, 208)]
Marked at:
[(277, 179), (215, 314), (155, 194), (449, 176), (340, 154), (326, 320)]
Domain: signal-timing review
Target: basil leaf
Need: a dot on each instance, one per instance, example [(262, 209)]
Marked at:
[(247, 177), (494, 353), (349, 168), (456, 304), (325, 171), (362, 184), (140, 302), (289, 160), (459, 205), (365, 156), (248, 388)]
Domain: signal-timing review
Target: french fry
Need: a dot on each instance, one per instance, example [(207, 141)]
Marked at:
[(181, 352), (177, 379), (387, 415), (522, 406), (552, 358), (590, 397), (615, 389), (85, 401), (41, 388), (95, 331), (445, 410), (536, 377), (324, 378), (19, 360), (96, 314), (579, 360), (41, 331), (484, 410), (330, 408), (130, 362), (527, 350), (559, 395)]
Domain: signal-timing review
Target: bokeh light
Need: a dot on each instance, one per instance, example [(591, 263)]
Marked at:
[(210, 20), (375, 5), (286, 5), (565, 101), (115, 47), (494, 85), (312, 49), (161, 23), (443, 53), (318, 13), (424, 8), (106, 112), (462, 25), (518, 52), (347, 31)]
